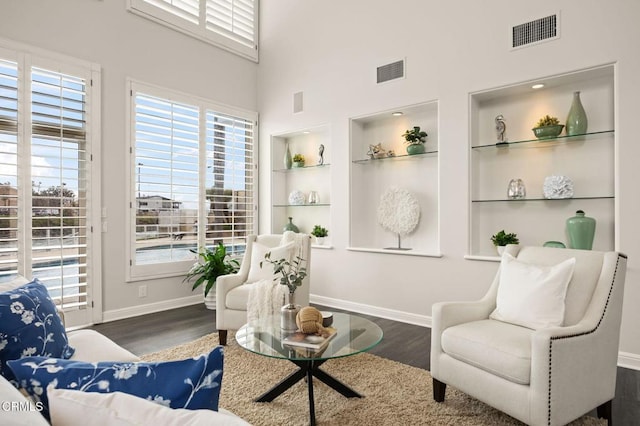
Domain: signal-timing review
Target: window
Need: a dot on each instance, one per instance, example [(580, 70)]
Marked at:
[(45, 177), (193, 179), (230, 24)]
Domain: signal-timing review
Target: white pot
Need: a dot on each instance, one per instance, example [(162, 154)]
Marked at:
[(320, 240), (500, 249), (210, 299)]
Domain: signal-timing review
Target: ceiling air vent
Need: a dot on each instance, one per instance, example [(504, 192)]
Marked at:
[(390, 71), (543, 29)]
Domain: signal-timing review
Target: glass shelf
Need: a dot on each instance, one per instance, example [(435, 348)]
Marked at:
[(395, 157), (303, 205), (295, 169), (506, 200), (546, 141)]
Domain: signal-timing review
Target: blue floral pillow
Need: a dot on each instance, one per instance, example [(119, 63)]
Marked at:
[(192, 383), (30, 326)]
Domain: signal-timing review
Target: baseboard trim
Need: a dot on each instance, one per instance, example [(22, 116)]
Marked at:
[(150, 308), (629, 360), (392, 314)]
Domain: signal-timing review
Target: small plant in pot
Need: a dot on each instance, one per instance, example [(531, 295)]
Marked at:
[(298, 160), (548, 127), (320, 233), (212, 264), (415, 139), (501, 239)]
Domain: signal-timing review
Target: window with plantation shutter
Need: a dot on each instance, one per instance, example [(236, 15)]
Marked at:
[(193, 179), (230, 24), (46, 185)]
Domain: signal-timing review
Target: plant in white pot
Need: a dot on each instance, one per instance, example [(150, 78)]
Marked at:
[(212, 264), (501, 239), (320, 233)]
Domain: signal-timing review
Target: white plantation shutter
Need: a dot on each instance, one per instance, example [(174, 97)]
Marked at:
[(8, 169), (230, 179), (230, 24), (232, 18), (193, 179), (59, 185), (166, 163), (185, 9)]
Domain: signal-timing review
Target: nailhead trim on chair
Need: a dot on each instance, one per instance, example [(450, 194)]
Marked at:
[(604, 312)]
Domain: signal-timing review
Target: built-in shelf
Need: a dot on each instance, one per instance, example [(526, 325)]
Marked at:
[(588, 160), (313, 177), (370, 178), (547, 141), (301, 169), (396, 157)]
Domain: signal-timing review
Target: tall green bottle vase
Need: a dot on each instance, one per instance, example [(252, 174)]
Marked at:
[(581, 230), (288, 161), (577, 118)]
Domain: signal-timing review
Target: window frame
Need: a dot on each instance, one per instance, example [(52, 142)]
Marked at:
[(199, 30), (178, 268), (29, 57)]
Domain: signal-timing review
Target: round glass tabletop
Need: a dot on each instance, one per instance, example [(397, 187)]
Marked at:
[(354, 334)]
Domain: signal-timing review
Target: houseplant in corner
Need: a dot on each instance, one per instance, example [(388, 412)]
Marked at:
[(415, 139), (548, 127), (292, 274), (212, 264), (320, 233), (501, 239)]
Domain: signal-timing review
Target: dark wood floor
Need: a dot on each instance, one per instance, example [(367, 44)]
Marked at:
[(405, 343)]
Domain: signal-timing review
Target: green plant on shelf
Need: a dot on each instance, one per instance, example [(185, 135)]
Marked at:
[(414, 136), (319, 231), (547, 120), (502, 238)]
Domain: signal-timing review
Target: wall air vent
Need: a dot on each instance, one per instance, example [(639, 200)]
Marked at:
[(390, 71), (297, 102), (539, 30)]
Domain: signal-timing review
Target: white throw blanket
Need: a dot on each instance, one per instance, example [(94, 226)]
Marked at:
[(266, 297)]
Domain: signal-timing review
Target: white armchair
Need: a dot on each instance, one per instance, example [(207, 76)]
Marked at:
[(232, 291), (546, 376)]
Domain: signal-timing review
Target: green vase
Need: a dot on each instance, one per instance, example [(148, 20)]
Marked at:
[(287, 158), (577, 118), (581, 230), (290, 226)]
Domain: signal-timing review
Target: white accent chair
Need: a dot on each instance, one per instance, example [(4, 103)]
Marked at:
[(549, 376), (232, 291)]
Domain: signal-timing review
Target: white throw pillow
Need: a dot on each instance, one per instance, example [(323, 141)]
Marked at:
[(77, 408), (256, 273), (532, 295)]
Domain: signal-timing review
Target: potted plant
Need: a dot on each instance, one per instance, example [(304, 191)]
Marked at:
[(298, 160), (415, 139), (501, 239), (320, 233), (292, 274), (548, 127), (212, 264)]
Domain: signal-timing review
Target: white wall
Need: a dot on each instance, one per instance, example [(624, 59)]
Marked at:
[(126, 45), (329, 50)]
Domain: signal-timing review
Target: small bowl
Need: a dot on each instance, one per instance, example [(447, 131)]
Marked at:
[(327, 318)]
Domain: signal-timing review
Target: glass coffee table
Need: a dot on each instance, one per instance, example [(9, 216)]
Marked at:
[(354, 335)]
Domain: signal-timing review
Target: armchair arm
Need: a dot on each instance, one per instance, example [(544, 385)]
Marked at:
[(226, 283)]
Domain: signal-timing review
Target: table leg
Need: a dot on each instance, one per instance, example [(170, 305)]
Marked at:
[(312, 405), (335, 384), (285, 384)]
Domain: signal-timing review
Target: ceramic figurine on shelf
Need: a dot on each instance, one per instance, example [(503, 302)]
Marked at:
[(376, 151), (501, 127), (321, 154)]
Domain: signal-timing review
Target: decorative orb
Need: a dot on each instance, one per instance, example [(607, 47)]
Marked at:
[(297, 197), (557, 187)]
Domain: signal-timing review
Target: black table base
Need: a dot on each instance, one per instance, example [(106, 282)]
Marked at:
[(308, 369)]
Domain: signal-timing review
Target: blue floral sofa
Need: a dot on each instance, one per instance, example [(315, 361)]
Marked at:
[(49, 376)]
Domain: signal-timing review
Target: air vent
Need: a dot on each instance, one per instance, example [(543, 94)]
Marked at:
[(390, 71), (297, 102), (543, 29)]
